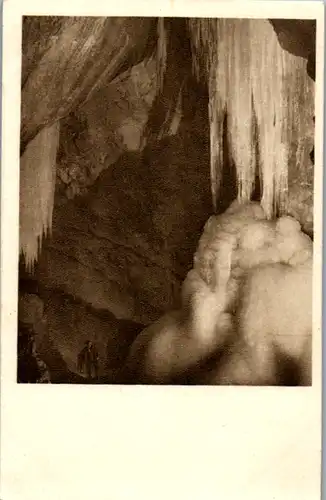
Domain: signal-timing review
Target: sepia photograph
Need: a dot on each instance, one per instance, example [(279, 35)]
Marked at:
[(166, 201), (161, 250)]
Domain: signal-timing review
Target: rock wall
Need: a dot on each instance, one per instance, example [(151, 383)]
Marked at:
[(71, 323), (127, 244), (61, 325), (108, 125)]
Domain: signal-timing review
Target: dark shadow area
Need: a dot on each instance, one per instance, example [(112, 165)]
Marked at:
[(289, 371), (256, 195), (229, 188)]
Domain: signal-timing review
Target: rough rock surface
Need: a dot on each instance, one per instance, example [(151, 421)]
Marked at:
[(80, 54), (299, 38), (31, 367), (70, 323), (30, 309), (121, 247), (108, 125)]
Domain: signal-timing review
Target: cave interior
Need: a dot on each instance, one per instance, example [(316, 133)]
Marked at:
[(118, 171)]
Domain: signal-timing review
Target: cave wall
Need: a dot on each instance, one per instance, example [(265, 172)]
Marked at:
[(70, 323), (298, 36), (127, 244), (124, 247), (124, 243), (66, 59), (62, 324), (129, 207), (108, 125)]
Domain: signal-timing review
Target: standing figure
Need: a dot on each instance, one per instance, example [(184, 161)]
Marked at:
[(88, 360), (30, 367)]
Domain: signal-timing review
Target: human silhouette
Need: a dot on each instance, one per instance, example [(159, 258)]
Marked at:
[(88, 360)]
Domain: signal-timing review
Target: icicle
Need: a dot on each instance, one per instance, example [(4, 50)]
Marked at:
[(196, 42), (203, 45), (253, 78), (177, 116), (234, 87), (216, 110), (228, 73), (268, 66), (161, 51), (173, 118), (37, 186), (281, 91)]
